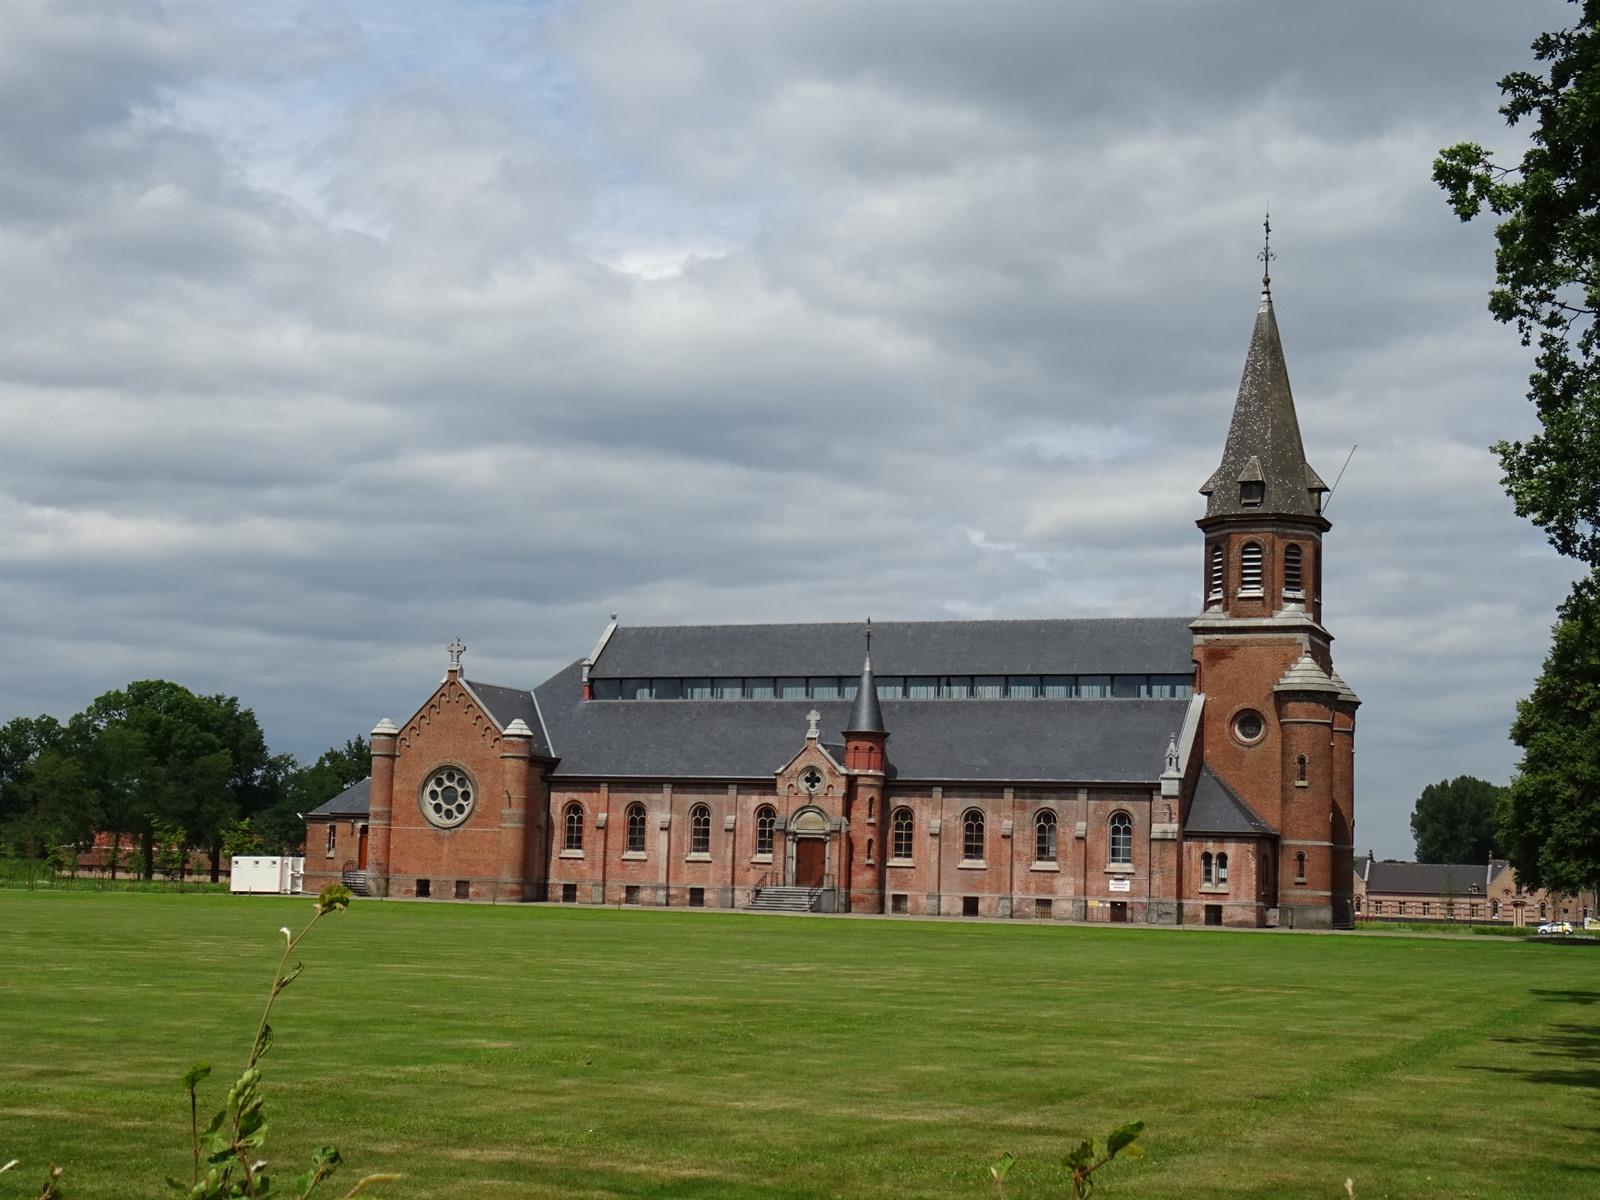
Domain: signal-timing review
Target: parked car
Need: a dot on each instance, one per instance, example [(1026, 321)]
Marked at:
[(1554, 927)]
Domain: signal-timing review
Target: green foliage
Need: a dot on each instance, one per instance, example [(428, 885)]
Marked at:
[(1547, 265), (1461, 928), (153, 758), (1550, 817), (239, 838), (46, 874), (1453, 821), (1083, 1160)]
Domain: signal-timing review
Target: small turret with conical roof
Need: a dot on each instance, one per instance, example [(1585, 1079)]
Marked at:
[(866, 716), (865, 732), (866, 762)]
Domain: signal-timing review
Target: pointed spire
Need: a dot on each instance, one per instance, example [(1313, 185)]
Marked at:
[(867, 715), (1264, 468)]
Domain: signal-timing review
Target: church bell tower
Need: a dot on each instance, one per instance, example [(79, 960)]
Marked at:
[(1279, 723)]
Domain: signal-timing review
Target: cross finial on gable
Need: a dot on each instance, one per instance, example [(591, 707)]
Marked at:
[(457, 648), (812, 718)]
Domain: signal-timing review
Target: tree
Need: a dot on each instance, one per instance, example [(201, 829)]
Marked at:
[(1550, 816), (1547, 268), (161, 756), (283, 827), (1453, 821), (22, 741)]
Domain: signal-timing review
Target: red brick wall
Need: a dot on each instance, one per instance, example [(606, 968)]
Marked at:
[(451, 730)]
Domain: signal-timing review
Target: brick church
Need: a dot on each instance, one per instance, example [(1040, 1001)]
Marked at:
[(1158, 770)]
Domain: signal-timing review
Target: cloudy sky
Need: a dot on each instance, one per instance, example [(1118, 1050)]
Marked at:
[(329, 332)]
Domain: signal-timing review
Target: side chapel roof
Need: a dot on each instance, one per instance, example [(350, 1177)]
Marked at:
[(352, 802), (1217, 808)]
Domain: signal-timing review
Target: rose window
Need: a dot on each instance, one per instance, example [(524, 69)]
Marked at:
[(447, 797), (811, 780)]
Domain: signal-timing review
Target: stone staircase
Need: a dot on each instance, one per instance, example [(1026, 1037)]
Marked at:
[(356, 881), (785, 899)]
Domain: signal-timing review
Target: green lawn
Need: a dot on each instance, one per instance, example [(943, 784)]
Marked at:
[(540, 1051)]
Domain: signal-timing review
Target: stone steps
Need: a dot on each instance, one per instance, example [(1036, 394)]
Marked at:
[(785, 899)]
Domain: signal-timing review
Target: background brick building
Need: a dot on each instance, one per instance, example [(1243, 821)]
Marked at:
[(1490, 893), (1157, 770)]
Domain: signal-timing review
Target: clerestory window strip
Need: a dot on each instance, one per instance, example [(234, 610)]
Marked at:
[(897, 687)]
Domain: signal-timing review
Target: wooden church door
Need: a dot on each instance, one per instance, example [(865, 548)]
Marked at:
[(810, 861)]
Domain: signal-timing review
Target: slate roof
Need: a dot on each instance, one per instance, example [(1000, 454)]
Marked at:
[(1086, 646), (1264, 436), (1427, 879), (1217, 808), (352, 802), (506, 705), (1112, 741)]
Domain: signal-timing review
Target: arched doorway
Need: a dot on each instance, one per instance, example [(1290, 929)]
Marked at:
[(808, 848)]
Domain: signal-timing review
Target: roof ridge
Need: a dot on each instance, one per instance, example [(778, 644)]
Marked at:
[(909, 621)]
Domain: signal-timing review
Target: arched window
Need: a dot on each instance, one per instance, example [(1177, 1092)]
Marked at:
[(1541, 910), (766, 822), (1121, 839), (699, 830), (1222, 870), (1044, 836), (901, 824), (1293, 576), (1299, 866), (1214, 590), (1250, 569), (635, 829), (1300, 768), (972, 835), (574, 822), (872, 809), (1207, 872), (869, 850)]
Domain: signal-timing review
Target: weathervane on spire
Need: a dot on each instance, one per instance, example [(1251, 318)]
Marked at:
[(457, 648), (869, 637), (1266, 256)]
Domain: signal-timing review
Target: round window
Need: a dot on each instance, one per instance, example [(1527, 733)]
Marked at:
[(811, 779), (447, 797), (1248, 726)]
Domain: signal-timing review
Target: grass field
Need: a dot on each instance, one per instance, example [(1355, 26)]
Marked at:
[(540, 1051)]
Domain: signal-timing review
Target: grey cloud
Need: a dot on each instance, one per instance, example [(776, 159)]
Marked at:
[(307, 367)]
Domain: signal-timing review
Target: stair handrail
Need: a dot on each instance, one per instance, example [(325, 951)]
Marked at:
[(770, 879)]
